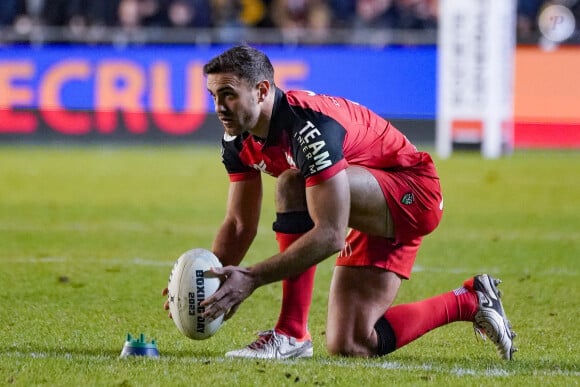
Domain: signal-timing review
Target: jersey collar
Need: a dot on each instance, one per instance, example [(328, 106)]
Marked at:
[(281, 117)]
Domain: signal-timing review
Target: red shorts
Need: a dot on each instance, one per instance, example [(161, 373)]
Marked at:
[(416, 206)]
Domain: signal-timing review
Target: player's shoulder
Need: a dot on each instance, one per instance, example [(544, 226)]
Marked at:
[(300, 94), (324, 103), (232, 144), (303, 98), (231, 150)]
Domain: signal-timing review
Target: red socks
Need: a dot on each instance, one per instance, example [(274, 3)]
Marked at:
[(411, 321), (296, 296)]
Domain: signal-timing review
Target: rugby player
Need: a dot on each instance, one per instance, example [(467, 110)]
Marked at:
[(348, 182)]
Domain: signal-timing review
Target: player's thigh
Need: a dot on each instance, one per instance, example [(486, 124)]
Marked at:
[(359, 296), (369, 212)]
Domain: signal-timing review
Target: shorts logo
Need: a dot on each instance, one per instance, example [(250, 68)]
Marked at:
[(346, 250), (408, 198)]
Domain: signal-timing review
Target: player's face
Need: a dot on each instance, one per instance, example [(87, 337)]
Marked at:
[(235, 102)]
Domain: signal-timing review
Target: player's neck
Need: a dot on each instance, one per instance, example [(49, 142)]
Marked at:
[(261, 129), (262, 126)]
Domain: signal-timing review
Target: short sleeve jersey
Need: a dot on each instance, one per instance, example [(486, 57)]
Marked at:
[(320, 135)]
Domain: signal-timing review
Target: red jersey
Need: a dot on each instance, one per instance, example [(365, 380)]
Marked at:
[(321, 135)]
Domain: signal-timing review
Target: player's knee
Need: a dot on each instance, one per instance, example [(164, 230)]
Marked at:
[(338, 346), (361, 345), (351, 345), (290, 192), (347, 348)]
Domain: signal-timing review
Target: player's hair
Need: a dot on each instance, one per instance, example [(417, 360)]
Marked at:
[(243, 61)]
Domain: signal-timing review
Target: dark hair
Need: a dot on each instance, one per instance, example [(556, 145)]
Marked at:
[(243, 61)]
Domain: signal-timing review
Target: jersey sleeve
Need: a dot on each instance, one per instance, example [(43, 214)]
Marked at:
[(236, 169), (318, 148)]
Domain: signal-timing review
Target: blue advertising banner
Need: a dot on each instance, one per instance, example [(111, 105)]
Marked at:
[(101, 92)]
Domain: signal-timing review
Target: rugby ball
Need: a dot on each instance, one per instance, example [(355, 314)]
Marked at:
[(189, 284)]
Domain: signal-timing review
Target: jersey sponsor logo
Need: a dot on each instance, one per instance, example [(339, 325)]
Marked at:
[(313, 148), (290, 159), (408, 198), (262, 167)]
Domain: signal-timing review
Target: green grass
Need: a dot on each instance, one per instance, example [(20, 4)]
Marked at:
[(88, 237)]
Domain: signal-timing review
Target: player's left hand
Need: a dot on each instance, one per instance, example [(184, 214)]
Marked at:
[(164, 293), (237, 285)]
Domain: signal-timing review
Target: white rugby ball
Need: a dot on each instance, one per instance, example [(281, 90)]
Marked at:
[(189, 284)]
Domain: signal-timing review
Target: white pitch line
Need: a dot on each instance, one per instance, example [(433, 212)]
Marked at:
[(137, 261), (341, 363), (131, 261), (458, 371), (460, 270)]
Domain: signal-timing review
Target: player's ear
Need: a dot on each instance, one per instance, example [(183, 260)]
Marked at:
[(263, 89)]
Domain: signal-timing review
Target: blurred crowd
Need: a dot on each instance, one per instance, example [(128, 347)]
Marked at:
[(288, 16), (283, 14)]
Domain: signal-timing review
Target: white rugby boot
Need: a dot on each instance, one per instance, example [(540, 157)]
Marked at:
[(273, 345), (490, 318)]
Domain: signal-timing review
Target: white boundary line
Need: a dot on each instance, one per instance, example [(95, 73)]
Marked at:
[(137, 261), (342, 363)]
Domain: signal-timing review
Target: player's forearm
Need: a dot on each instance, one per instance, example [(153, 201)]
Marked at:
[(231, 243), (312, 248)]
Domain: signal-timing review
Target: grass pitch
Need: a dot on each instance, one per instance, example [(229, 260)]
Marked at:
[(88, 237)]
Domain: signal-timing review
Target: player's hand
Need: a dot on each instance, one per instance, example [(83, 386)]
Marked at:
[(166, 304), (237, 285)]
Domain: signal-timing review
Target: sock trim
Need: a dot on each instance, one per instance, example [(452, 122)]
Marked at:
[(460, 291)]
